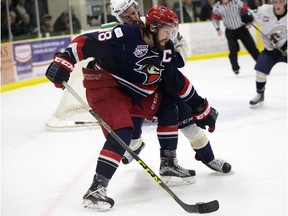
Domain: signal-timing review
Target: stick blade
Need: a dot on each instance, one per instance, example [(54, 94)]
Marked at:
[(204, 208), (201, 207)]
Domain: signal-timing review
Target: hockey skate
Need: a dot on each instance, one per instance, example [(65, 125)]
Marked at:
[(257, 100), (217, 164), (172, 174), (96, 197), (137, 147)]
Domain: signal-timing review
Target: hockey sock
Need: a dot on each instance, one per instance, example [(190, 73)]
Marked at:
[(112, 152), (204, 154), (137, 123), (261, 79), (168, 137)]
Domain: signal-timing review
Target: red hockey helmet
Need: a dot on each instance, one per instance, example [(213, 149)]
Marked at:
[(159, 15)]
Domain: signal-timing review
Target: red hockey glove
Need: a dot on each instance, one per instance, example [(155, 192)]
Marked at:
[(204, 115), (59, 70)]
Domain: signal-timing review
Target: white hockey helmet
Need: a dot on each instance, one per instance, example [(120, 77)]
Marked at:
[(119, 6)]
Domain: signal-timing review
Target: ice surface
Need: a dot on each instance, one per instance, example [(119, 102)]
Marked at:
[(46, 173)]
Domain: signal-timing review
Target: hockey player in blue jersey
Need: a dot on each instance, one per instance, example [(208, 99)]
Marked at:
[(273, 21), (127, 12), (123, 83)]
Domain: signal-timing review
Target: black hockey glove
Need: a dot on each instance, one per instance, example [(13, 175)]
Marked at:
[(247, 17), (204, 115), (59, 70)]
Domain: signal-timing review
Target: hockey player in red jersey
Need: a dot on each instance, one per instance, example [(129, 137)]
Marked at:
[(127, 12)]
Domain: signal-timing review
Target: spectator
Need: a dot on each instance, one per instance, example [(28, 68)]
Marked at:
[(15, 28), (190, 13), (110, 18), (206, 10), (30, 6), (20, 10), (61, 25), (46, 26), (25, 25)]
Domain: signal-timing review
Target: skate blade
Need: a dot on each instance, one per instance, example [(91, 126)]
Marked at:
[(173, 181), (99, 206)]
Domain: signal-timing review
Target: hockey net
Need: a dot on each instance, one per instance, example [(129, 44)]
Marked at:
[(70, 114)]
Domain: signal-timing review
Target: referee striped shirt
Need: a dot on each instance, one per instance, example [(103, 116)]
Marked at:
[(230, 14)]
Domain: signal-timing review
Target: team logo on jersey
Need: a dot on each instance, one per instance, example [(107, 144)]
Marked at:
[(151, 68), (140, 51)]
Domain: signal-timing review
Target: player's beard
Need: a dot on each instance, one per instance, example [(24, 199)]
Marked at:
[(159, 45)]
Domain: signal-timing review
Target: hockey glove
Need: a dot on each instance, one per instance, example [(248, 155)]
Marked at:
[(59, 70), (204, 115), (247, 17)]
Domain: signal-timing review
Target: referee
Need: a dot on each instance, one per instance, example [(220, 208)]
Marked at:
[(229, 11)]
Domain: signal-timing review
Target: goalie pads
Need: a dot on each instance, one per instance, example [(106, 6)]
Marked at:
[(59, 70), (204, 115)]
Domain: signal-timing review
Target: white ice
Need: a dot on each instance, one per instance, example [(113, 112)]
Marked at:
[(47, 173)]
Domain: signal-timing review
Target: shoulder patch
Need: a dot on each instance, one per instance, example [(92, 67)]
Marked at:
[(118, 32)]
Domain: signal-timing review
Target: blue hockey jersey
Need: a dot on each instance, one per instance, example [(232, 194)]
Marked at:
[(136, 66)]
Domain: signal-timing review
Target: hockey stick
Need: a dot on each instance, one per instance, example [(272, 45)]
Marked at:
[(265, 36), (197, 208)]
